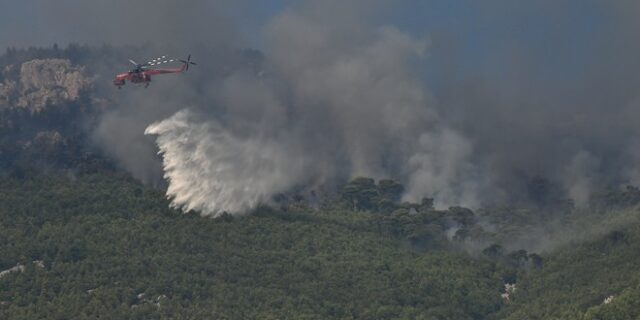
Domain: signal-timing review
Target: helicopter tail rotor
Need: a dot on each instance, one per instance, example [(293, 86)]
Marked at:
[(188, 62)]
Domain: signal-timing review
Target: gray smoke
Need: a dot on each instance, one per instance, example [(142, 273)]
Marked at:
[(118, 22), (545, 93), (337, 101), (343, 95), (120, 130), (516, 91)]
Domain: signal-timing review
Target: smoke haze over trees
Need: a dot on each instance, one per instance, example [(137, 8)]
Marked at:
[(480, 103), (325, 159)]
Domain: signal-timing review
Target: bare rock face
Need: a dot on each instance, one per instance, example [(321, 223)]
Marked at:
[(8, 92), (42, 83)]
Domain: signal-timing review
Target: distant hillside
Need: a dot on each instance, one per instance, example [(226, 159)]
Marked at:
[(51, 100), (598, 279), (83, 245), (104, 245), (80, 238)]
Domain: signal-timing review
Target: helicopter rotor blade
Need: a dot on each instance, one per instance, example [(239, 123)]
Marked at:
[(187, 62)]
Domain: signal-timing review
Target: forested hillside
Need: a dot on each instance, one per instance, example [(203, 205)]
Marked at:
[(78, 245), (102, 244), (80, 238)]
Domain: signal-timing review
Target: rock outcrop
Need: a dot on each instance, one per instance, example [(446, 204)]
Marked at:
[(42, 83)]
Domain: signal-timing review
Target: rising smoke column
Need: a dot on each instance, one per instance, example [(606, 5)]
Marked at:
[(525, 89), (341, 98), (537, 97)]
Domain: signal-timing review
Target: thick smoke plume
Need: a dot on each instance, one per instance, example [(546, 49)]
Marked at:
[(342, 96), (543, 94), (517, 92), (333, 105)]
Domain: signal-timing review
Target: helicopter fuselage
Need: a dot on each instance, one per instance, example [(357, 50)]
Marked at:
[(143, 72), (142, 76)]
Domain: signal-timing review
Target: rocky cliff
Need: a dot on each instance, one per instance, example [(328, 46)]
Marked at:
[(41, 83)]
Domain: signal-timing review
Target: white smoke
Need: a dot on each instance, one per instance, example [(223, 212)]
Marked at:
[(339, 101), (440, 168), (579, 177)]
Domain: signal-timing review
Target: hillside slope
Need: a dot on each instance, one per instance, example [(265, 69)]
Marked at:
[(105, 245), (80, 238), (597, 279)]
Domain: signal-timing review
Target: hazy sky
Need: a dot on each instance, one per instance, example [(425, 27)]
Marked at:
[(559, 33), (43, 22)]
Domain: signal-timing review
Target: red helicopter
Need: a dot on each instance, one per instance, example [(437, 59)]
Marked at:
[(143, 72)]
